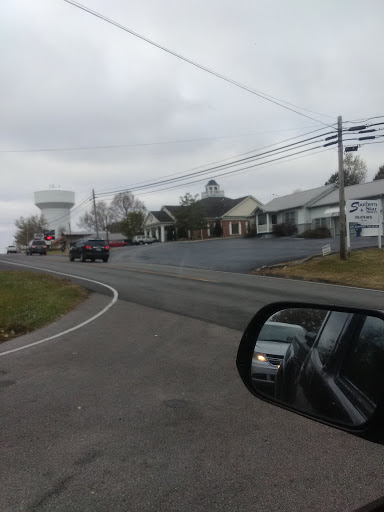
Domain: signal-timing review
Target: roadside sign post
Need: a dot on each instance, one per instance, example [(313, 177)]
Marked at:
[(367, 214)]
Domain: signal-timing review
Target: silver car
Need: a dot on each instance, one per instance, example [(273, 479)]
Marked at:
[(271, 346), (142, 239)]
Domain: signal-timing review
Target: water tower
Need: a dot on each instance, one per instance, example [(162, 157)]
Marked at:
[(55, 205)]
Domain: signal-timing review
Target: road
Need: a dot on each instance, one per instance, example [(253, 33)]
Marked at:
[(232, 255), (142, 409)]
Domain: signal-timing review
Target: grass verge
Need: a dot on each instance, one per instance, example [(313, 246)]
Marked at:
[(29, 301), (364, 268)]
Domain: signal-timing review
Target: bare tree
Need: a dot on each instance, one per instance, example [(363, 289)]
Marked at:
[(88, 220), (355, 171), (122, 204)]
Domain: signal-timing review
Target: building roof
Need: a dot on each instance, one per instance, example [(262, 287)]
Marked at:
[(372, 189), (298, 199), (218, 206), (162, 216), (173, 208), (211, 182)]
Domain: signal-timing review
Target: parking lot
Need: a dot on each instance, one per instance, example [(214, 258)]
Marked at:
[(231, 255)]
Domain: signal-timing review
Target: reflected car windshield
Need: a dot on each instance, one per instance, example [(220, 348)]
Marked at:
[(278, 332)]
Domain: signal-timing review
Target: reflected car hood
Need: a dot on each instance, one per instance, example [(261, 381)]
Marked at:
[(276, 348)]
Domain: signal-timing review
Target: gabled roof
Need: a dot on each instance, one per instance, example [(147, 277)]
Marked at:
[(372, 189), (298, 199), (219, 206), (162, 216), (171, 208)]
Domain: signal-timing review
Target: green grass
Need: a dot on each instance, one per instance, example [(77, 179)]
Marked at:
[(364, 268), (29, 301)]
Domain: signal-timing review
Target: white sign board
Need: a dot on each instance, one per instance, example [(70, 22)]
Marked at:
[(363, 212), (366, 214)]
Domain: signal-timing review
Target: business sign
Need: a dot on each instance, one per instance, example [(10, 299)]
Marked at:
[(363, 212)]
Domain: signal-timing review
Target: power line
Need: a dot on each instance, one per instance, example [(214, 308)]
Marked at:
[(223, 159), (260, 94), (75, 210), (144, 144), (283, 149), (229, 172)]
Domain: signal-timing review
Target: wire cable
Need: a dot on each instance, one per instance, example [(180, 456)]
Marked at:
[(283, 149), (140, 144), (230, 172), (260, 94)]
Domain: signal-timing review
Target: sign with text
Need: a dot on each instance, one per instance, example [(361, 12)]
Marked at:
[(363, 212)]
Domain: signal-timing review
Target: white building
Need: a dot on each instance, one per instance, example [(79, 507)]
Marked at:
[(317, 207)]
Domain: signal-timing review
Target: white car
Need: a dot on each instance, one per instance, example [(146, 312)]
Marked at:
[(271, 346), (142, 239), (11, 249)]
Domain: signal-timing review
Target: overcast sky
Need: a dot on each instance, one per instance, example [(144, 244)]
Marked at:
[(69, 79)]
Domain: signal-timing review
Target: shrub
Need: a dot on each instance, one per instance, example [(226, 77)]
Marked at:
[(316, 233), (284, 229), (251, 233)]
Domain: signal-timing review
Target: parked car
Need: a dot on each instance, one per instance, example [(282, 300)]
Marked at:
[(89, 249), (118, 243), (142, 239), (37, 247), (271, 346), (11, 249)]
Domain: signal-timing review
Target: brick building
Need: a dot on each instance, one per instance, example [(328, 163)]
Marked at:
[(233, 215)]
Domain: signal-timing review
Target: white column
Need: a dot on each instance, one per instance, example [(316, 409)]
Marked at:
[(162, 234), (230, 228), (239, 228), (157, 233), (267, 222), (208, 230)]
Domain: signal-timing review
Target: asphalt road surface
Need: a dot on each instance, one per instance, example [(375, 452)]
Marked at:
[(232, 255), (142, 409)]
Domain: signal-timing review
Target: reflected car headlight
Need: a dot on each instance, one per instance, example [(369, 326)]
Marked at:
[(260, 357)]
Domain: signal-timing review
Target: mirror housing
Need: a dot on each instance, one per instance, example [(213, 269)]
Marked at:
[(371, 428)]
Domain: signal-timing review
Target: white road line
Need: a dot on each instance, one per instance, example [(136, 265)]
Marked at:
[(104, 310)]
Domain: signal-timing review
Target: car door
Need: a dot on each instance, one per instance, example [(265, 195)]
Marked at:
[(317, 375)]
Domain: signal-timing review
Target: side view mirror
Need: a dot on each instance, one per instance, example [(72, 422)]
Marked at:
[(323, 362)]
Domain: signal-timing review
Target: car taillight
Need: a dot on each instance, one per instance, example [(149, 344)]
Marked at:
[(88, 247), (107, 246)]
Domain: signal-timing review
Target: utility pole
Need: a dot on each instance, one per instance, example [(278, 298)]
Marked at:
[(94, 211), (343, 227)]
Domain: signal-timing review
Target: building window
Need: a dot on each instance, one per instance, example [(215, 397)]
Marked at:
[(274, 218), (290, 217), (321, 222), (262, 219), (235, 228)]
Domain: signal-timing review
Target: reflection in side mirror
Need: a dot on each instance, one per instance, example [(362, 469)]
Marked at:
[(325, 363)]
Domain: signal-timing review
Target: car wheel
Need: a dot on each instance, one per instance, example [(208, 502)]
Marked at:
[(105, 259), (71, 257), (93, 260), (83, 258)]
